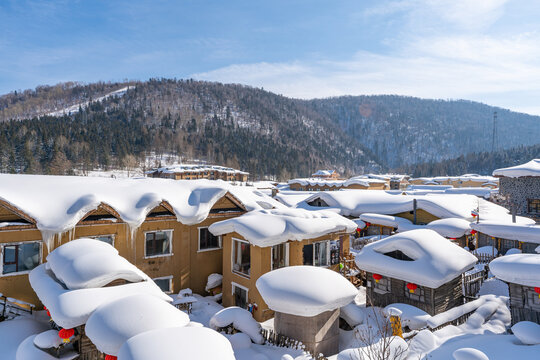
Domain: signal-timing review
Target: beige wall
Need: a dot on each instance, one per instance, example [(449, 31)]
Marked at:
[(188, 266), (260, 258)]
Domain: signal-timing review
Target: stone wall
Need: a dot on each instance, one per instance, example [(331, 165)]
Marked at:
[(519, 190)]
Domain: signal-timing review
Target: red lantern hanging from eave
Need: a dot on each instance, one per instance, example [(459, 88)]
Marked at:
[(453, 238), (368, 224), (537, 290), (377, 277), (110, 357), (473, 232), (474, 215), (66, 334), (412, 287)]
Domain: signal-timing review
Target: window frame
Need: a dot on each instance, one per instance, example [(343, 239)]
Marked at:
[(412, 296), (531, 299), (533, 203), (328, 260), (287, 259), (246, 289), (233, 255), (168, 277), (220, 240), (384, 286), (113, 237), (171, 231), (15, 273)]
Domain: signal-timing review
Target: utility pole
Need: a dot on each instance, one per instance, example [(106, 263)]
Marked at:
[(494, 139)]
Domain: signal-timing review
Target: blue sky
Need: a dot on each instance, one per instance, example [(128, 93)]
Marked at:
[(483, 50)]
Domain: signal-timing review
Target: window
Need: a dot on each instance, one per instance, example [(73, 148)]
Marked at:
[(417, 295), (240, 295), (533, 206), (207, 241), (241, 257), (398, 255), (20, 257), (109, 239), (158, 243), (382, 286), (164, 283), (532, 301), (280, 256), (317, 254)]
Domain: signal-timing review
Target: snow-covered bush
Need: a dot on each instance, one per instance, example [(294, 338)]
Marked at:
[(241, 320)]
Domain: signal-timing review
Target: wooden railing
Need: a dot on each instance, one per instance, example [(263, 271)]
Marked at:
[(12, 307), (472, 282), (483, 258), (279, 340)]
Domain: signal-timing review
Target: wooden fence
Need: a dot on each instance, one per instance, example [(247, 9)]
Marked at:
[(12, 307), (472, 282), (483, 258)]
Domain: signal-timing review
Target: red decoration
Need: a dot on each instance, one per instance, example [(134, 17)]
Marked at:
[(453, 239), (110, 357), (66, 334), (368, 224), (377, 277), (358, 229), (412, 287), (473, 232), (537, 290), (474, 215)]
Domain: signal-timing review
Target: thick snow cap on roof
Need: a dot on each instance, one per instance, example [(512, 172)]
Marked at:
[(523, 269), (359, 180), (357, 202), (58, 203), (305, 290), (112, 324), (71, 308), (532, 168), (182, 343), (511, 231), (435, 259), (272, 227), (90, 263), (449, 228)]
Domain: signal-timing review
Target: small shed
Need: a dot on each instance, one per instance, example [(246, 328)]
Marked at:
[(307, 302), (417, 267), (522, 273)]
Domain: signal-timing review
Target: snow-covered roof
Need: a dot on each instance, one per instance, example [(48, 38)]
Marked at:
[(181, 168), (449, 228), (511, 231), (323, 173), (71, 308), (435, 260), (532, 168), (113, 323), (88, 263), (271, 227), (58, 203), (357, 202), (177, 343), (523, 269), (305, 290), (360, 180), (292, 198), (464, 177)]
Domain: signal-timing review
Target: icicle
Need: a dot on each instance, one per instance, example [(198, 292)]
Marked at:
[(48, 239)]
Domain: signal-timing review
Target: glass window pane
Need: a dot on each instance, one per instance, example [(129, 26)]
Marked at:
[(158, 243), (9, 254), (107, 239), (29, 256), (241, 257), (164, 284)]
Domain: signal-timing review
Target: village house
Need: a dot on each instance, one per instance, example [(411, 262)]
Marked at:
[(159, 225), (522, 274), (520, 185), (326, 174), (265, 240), (321, 184), (505, 236), (417, 267), (195, 171), (462, 181)]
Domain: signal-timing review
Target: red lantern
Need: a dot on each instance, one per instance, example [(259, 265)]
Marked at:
[(377, 277), (412, 287), (473, 232), (537, 290), (110, 357), (453, 239), (474, 215), (66, 334), (368, 224)]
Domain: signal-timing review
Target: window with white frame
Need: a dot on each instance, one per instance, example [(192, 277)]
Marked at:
[(207, 240), (240, 295), (382, 286), (317, 254), (280, 256), (20, 257), (158, 243), (164, 283), (241, 257)]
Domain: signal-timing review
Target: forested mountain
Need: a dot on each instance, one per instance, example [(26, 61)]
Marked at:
[(476, 163), (243, 127), (404, 130)]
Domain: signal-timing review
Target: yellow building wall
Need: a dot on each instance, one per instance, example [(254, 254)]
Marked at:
[(260, 258), (422, 216)]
